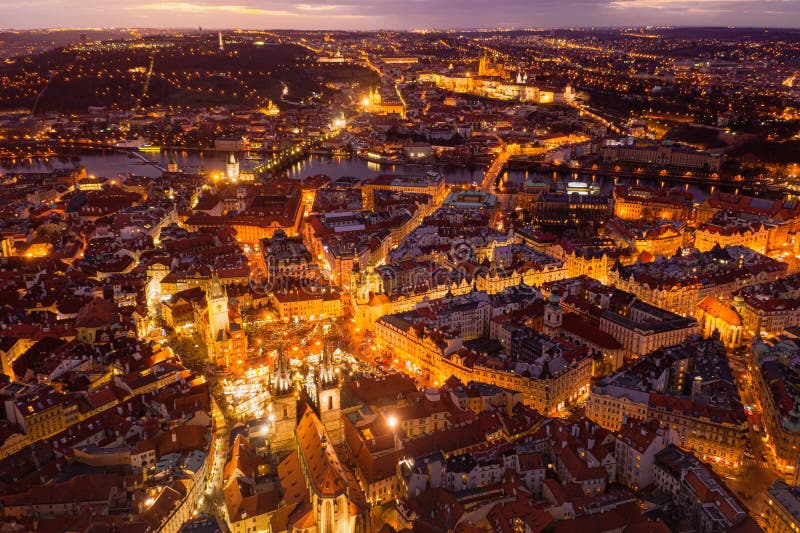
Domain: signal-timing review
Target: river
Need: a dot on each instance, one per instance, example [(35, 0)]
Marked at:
[(112, 163)]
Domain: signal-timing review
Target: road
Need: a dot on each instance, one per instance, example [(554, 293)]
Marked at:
[(210, 504), (758, 472)]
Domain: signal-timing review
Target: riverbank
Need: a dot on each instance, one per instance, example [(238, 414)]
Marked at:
[(106, 162)]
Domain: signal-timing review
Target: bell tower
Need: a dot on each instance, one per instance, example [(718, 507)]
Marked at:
[(553, 315)]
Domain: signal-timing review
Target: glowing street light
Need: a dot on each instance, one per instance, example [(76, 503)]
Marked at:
[(392, 421)]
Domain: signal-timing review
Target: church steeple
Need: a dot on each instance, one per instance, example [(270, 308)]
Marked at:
[(282, 384), (329, 401), (327, 374)]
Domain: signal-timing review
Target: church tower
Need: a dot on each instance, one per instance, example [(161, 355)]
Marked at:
[(218, 319), (553, 315), (483, 65), (329, 396), (232, 167), (364, 283), (284, 405), (375, 99), (219, 326)]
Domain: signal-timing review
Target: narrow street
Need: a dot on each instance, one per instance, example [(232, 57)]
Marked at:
[(758, 472), (213, 502)]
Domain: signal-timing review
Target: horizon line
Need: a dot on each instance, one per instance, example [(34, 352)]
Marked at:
[(408, 30)]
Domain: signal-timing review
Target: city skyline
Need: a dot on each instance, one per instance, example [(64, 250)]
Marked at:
[(355, 15), (477, 281)]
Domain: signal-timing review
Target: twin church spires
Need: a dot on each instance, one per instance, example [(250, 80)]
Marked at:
[(326, 375)]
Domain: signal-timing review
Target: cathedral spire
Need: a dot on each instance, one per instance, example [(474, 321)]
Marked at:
[(283, 377), (327, 373), (280, 368)]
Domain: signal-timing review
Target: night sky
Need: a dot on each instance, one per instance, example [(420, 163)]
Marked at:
[(394, 14)]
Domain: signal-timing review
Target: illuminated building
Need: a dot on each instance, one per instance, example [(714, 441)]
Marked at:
[(607, 352), (493, 81), (337, 502), (655, 238), (663, 155), (6, 245), (286, 256), (548, 380), (179, 311), (339, 240), (729, 230), (715, 316), (699, 494), (244, 507), (513, 264), (384, 102), (770, 308), (329, 401), (774, 375), (10, 350), (431, 184), (306, 302), (530, 192), (690, 387), (781, 218), (491, 68), (636, 447), (368, 298), (42, 411), (230, 144), (678, 283), (651, 205), (225, 338), (471, 199), (258, 217), (783, 509), (417, 150), (641, 327), (590, 260), (559, 209), (232, 167), (284, 405)]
